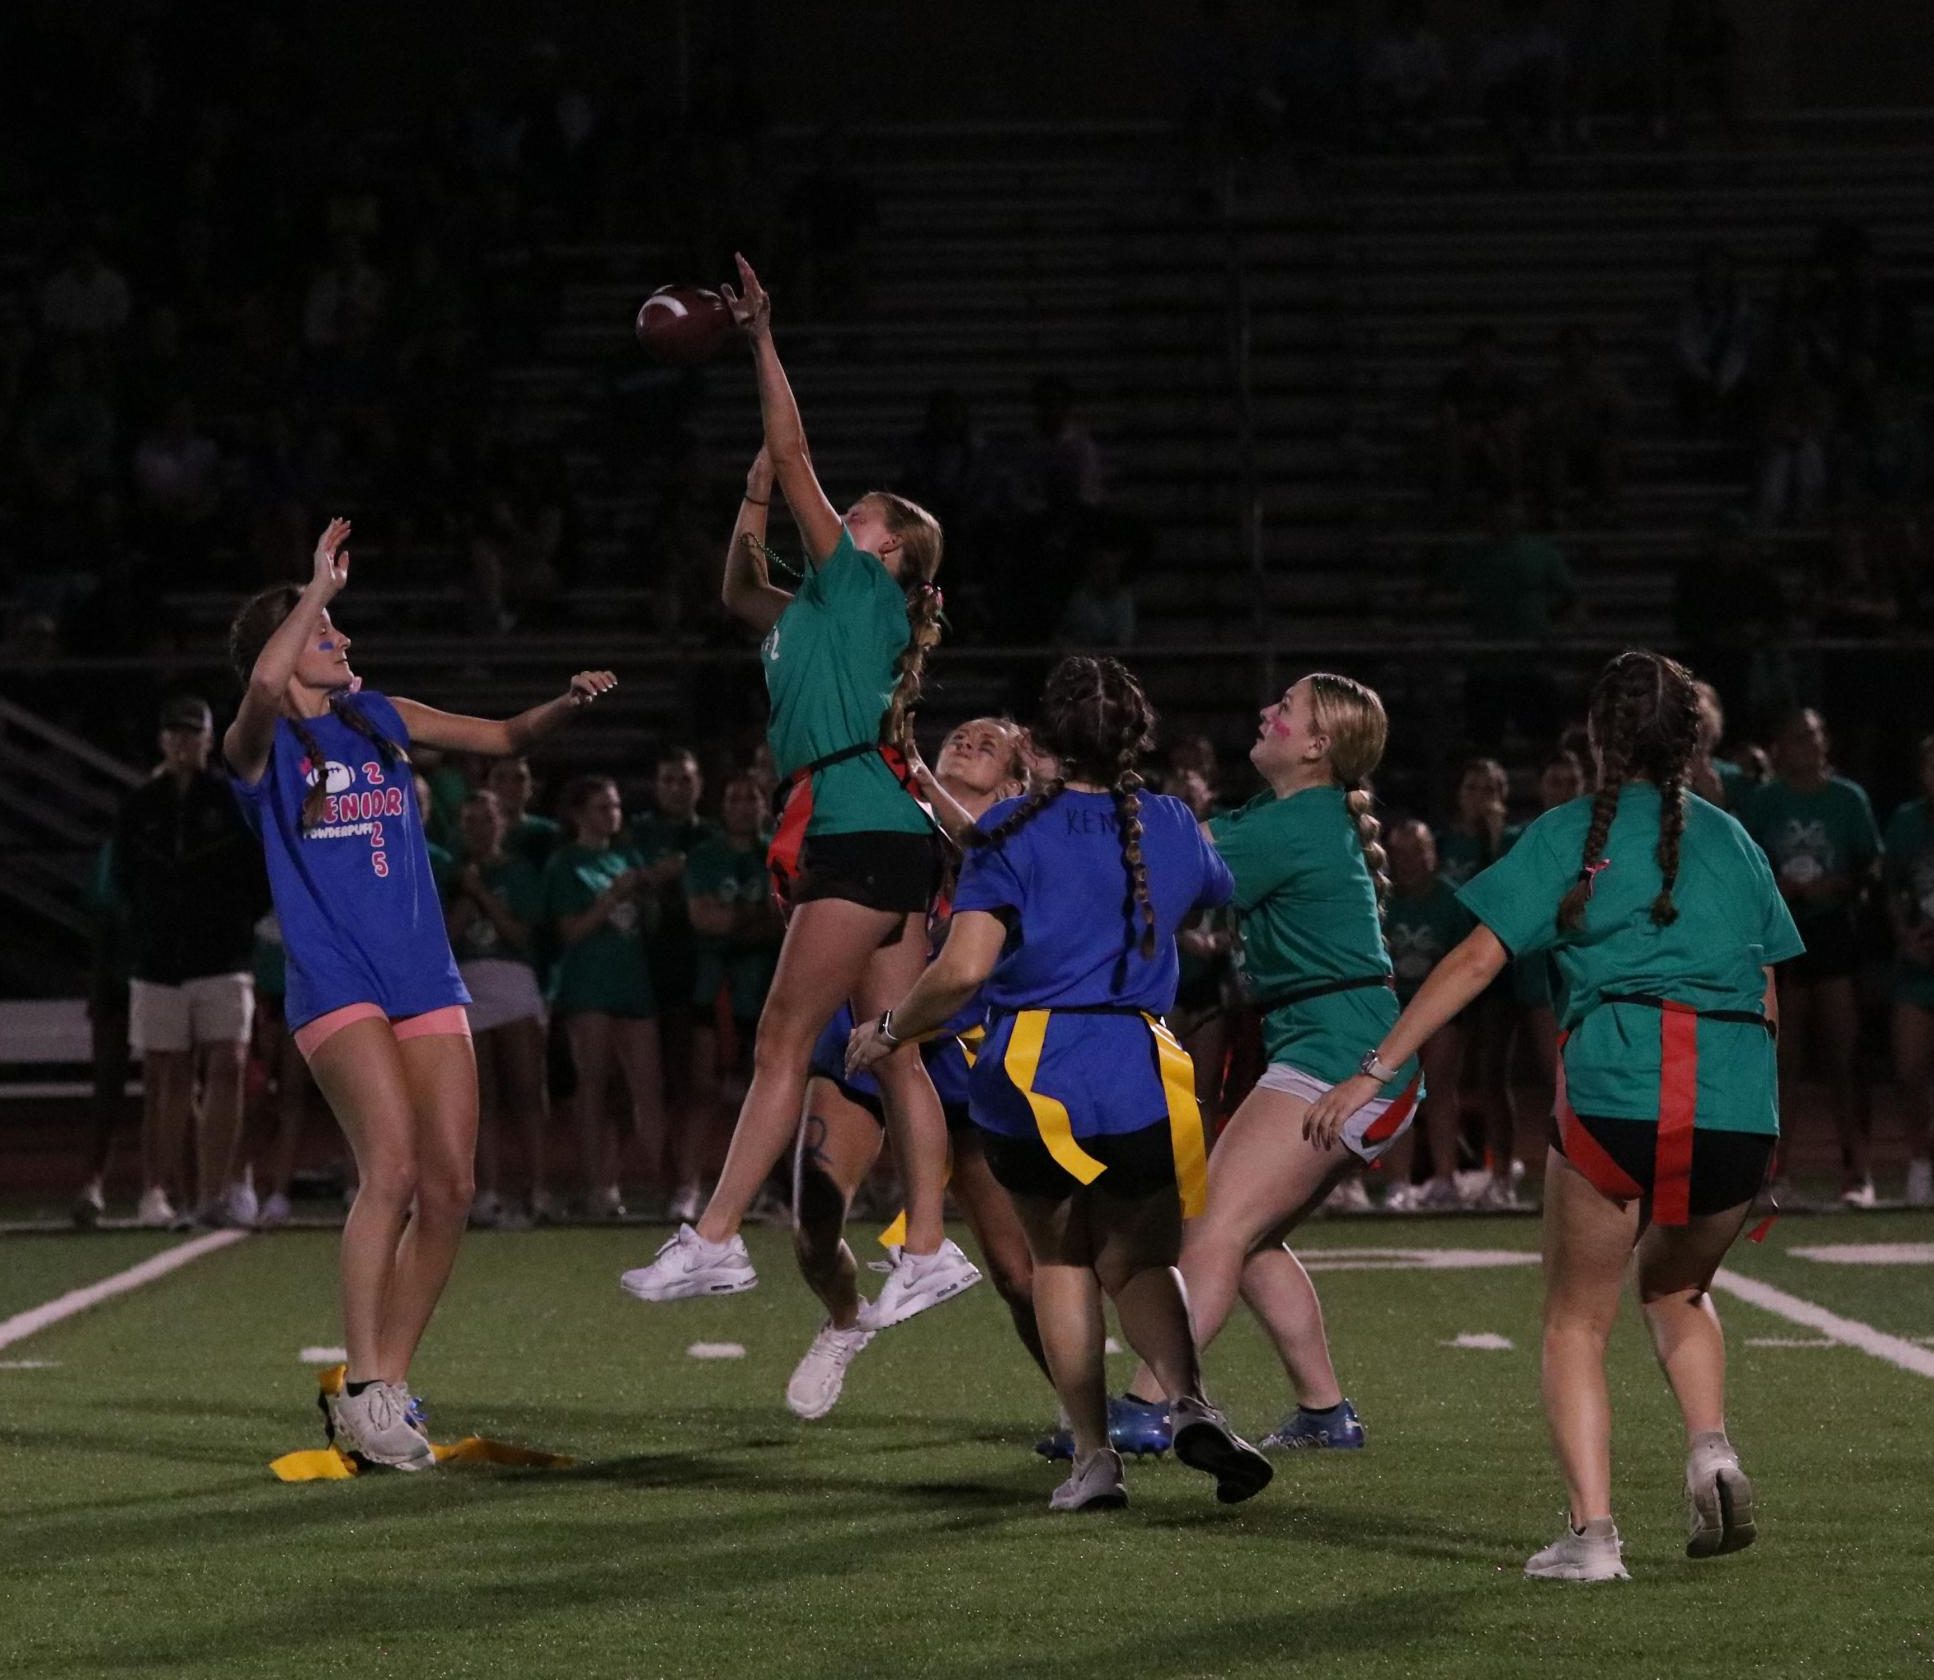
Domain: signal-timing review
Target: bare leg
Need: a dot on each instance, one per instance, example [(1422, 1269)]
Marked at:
[(914, 1121), (442, 1078), (291, 1097), (838, 1144), (107, 1018), (636, 1046), (1675, 1267), (1135, 1245), (523, 1094), (1914, 1069), (490, 1113), (590, 1035), (1003, 1244), (828, 944), (1797, 1017), (1277, 1289), (1442, 1058), (220, 1127), (1853, 1118), (1067, 1305), (167, 1105), (1587, 1240)]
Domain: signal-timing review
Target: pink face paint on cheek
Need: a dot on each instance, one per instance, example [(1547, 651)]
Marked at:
[(1279, 726)]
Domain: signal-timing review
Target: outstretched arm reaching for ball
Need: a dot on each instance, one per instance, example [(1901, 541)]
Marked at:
[(785, 444), (494, 737), (247, 742), (749, 593)]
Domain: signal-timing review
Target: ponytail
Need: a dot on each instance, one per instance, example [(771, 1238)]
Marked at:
[(1361, 804), (1128, 821)]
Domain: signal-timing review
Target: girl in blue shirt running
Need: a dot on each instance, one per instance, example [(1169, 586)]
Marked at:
[(374, 1001)]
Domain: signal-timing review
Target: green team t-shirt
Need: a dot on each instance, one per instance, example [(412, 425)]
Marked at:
[(533, 838), (1461, 855), (1732, 923), (1421, 929), (1829, 833), (443, 867), (674, 947), (718, 869), (1910, 878), (1308, 913), (1734, 782), (607, 971), (829, 671), (521, 886)]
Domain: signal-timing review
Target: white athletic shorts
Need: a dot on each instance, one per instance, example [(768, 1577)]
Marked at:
[(1374, 1127), (501, 991), (212, 1009)]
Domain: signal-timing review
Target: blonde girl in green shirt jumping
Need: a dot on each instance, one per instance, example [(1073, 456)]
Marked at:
[(856, 856), (1665, 923)]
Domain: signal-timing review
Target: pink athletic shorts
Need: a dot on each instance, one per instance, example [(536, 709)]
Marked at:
[(312, 1035)]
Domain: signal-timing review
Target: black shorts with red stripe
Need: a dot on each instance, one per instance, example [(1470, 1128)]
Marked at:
[(1620, 1158)]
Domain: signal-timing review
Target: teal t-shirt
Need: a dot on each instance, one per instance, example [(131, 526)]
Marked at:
[(1732, 924), (1826, 835), (606, 972), (1308, 914), (1421, 930), (829, 671), (717, 869), (1910, 878), (1461, 855), (521, 886), (533, 838)]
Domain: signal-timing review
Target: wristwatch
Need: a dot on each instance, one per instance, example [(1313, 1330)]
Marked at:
[(886, 1031), (1371, 1068)]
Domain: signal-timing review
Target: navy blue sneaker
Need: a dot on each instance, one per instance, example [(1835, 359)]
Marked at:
[(1134, 1426), (1339, 1427), (1138, 1426)]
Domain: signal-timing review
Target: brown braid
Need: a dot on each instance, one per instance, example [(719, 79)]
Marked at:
[(1018, 818), (920, 546), (257, 620), (1644, 723), (1351, 714), (1128, 819), (1361, 804)]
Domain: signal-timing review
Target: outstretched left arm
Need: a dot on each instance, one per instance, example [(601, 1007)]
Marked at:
[(500, 737)]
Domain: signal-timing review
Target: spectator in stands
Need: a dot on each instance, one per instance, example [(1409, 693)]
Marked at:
[(1796, 425), (526, 832), (1101, 611), (1713, 344), (345, 300), (1582, 414), (831, 214), (1729, 609), (1406, 79), (84, 299), (1520, 75), (1699, 69), (191, 875), (1480, 421), (664, 840)]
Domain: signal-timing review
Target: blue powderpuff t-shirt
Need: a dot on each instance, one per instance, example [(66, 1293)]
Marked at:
[(1072, 943), (362, 921)]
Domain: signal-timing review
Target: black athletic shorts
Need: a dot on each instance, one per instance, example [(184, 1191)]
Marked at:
[(1832, 949), (1727, 1167), (1139, 1163), (879, 869), (958, 1120)]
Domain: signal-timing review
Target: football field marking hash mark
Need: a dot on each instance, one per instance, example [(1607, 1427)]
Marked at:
[(1897, 1351), (36, 1319)]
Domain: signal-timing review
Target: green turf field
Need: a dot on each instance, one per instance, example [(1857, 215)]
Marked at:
[(711, 1534)]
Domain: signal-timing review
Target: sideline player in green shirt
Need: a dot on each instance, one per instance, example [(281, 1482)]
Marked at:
[(1309, 877), (1910, 909), (856, 853), (1665, 924), (1819, 831), (601, 986), (493, 909), (1422, 923)]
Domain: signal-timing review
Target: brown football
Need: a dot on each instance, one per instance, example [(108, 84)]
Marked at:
[(681, 325)]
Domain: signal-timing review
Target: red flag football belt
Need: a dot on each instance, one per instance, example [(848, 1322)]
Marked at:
[(796, 811)]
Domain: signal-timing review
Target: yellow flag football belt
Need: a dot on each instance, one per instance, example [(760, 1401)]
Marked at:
[(333, 1464)]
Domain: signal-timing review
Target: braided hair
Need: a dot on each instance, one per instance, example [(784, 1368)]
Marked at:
[(1644, 723), (1351, 714), (258, 619), (1097, 722), (920, 546)]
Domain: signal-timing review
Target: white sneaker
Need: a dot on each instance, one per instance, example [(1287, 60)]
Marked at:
[(1719, 1499), (1576, 1556), (1349, 1197), (686, 1206), (376, 1424), (1920, 1184), (819, 1377), (1439, 1194), (275, 1211), (918, 1282), (605, 1204), (689, 1265), (156, 1211), (1096, 1485), (89, 1205), (1403, 1198), (244, 1206), (543, 1208), (1497, 1195), (1859, 1197)]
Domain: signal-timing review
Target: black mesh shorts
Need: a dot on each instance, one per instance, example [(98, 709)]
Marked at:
[(1139, 1163), (878, 869)]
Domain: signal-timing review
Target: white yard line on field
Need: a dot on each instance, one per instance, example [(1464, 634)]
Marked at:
[(36, 1319), (1850, 1332)]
